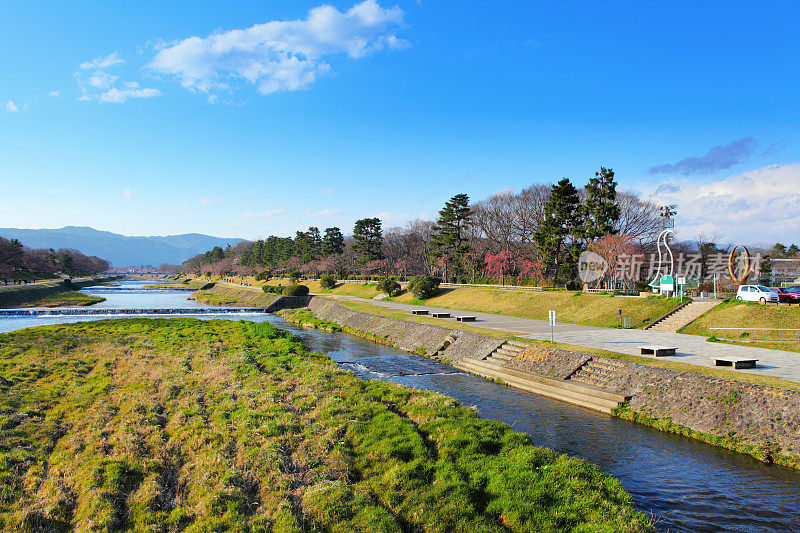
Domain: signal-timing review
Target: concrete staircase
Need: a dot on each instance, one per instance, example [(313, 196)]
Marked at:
[(597, 371), (502, 355), (683, 316), (568, 391)]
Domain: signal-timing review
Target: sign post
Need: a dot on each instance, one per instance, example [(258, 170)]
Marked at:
[(552, 317)]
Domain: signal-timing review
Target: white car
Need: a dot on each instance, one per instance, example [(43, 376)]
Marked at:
[(757, 293)]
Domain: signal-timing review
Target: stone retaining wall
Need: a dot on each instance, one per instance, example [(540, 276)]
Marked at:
[(409, 336), (755, 419), (735, 414)]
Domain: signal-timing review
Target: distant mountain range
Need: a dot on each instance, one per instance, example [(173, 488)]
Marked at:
[(120, 250)]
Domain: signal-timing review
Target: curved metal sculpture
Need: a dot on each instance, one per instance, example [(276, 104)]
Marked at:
[(734, 277), (662, 240)]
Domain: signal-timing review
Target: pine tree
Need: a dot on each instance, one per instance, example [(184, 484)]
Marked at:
[(557, 236), (332, 242), (601, 212), (449, 232), (368, 238)]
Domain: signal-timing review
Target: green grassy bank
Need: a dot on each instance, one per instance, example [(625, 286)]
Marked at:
[(182, 424), (17, 295), (65, 299), (572, 307)]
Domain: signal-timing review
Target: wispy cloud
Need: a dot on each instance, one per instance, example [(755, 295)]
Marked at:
[(127, 193), (280, 55), (11, 107), (719, 157), (249, 216), (326, 213), (773, 148), (99, 85), (330, 191), (102, 62), (54, 94)]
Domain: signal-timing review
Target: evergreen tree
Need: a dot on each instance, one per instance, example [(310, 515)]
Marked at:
[(449, 232), (601, 212), (368, 239), (315, 241), (558, 233), (332, 242), (304, 246)]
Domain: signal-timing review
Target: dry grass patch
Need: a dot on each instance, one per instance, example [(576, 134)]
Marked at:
[(572, 307)]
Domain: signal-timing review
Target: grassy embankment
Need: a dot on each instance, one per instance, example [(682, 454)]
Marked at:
[(745, 315), (572, 307), (33, 294), (217, 425), (65, 299), (671, 365)]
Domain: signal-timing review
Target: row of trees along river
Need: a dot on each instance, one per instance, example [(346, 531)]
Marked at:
[(20, 264), (532, 237)]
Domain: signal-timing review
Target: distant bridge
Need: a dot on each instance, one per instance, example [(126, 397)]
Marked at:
[(46, 313)]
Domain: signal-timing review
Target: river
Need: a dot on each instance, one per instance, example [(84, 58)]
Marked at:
[(684, 485)]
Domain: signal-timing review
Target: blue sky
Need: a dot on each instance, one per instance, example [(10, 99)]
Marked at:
[(152, 118)]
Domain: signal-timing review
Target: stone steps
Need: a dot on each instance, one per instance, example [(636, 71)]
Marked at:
[(567, 391), (596, 371), (506, 352), (683, 317)]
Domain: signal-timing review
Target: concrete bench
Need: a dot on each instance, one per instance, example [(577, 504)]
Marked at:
[(419, 311), (736, 363), (466, 318), (440, 315), (658, 351)]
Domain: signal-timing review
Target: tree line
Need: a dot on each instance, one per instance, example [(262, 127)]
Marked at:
[(19, 263), (532, 235)]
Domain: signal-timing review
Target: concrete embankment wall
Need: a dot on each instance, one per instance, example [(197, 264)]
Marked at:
[(408, 336), (755, 419), (12, 296)]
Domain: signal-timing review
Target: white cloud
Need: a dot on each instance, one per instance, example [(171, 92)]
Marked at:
[(11, 107), (126, 192), (759, 205), (248, 216), (101, 80), (102, 86), (330, 191), (54, 94), (327, 213), (102, 62), (280, 55), (130, 89)]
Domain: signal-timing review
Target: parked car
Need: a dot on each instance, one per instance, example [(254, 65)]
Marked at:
[(790, 295), (757, 293)]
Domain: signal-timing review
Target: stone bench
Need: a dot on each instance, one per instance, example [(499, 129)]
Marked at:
[(658, 351), (466, 318), (419, 311), (440, 315), (736, 363)]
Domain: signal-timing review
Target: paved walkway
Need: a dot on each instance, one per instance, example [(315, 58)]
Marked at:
[(692, 349)]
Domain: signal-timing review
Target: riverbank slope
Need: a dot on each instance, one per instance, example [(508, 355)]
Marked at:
[(759, 420), (223, 425), (16, 295)]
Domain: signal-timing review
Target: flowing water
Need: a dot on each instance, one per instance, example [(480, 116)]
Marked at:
[(683, 484)]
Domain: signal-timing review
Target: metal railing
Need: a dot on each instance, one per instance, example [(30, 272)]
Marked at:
[(785, 335)]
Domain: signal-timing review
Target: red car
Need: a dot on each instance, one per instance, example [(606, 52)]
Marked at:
[(790, 295)]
